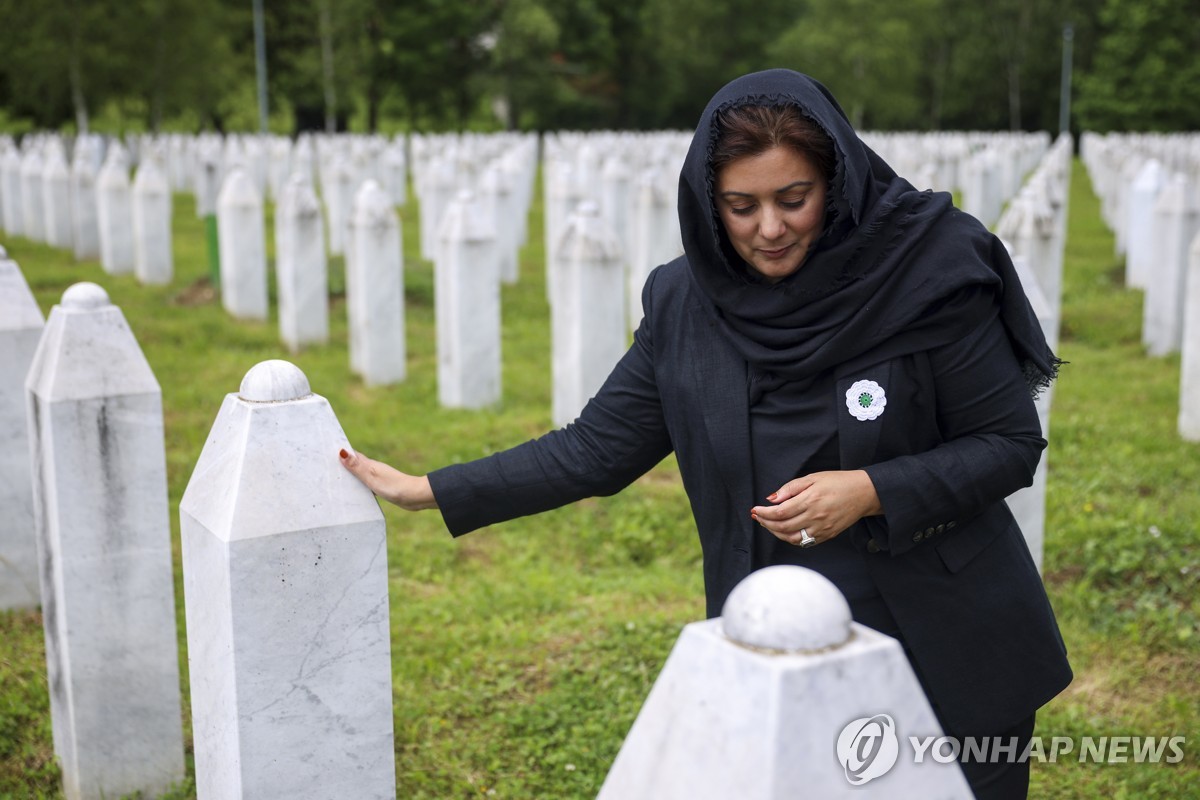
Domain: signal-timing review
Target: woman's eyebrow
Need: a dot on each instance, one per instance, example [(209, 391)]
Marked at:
[(788, 188)]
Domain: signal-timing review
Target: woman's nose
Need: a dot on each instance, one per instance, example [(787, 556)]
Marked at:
[(771, 225)]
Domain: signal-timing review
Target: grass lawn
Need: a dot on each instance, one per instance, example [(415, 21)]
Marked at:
[(522, 654)]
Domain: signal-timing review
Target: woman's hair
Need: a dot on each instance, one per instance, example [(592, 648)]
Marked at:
[(751, 129)]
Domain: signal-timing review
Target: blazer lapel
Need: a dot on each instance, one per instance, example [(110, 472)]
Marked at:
[(720, 384), (859, 438)]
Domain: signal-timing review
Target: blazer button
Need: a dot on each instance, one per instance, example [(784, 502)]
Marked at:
[(929, 532), (950, 524), (918, 536), (872, 546), (941, 528)]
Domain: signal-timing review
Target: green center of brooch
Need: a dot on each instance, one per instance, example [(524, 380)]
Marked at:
[(864, 400)]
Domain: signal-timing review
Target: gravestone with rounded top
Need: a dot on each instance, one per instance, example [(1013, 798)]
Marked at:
[(375, 288), (782, 696), (20, 329), (301, 270), (587, 318), (1139, 223), (83, 205), (32, 206), (153, 262), (286, 589), (242, 247), (56, 198), (1176, 222), (114, 214), (104, 547), (467, 305), (10, 188)]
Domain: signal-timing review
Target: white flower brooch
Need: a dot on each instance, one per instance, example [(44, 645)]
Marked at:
[(865, 400)]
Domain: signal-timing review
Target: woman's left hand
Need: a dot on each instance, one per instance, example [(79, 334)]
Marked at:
[(824, 504)]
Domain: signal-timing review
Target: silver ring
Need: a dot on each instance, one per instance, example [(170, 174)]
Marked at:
[(805, 539)]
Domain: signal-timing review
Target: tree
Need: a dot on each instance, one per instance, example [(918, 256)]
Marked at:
[(1145, 74)]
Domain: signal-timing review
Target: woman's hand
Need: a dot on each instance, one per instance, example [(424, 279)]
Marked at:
[(410, 492), (823, 503)]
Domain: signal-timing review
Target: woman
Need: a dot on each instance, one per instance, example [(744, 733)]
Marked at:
[(843, 366)]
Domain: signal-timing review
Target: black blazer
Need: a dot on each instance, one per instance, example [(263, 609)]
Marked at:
[(959, 433)]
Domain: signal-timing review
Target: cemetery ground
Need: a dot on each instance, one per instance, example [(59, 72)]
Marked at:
[(522, 654)]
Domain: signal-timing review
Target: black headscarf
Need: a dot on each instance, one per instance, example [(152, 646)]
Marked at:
[(895, 271)]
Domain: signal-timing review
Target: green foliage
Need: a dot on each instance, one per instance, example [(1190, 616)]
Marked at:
[(1145, 75)]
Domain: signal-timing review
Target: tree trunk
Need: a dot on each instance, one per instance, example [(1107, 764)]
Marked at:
[(326, 33), (75, 72)]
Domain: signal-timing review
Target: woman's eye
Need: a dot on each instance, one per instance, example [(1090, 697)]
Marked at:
[(741, 211), (794, 203)]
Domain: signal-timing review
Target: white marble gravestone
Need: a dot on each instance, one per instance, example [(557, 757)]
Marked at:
[(104, 547), (83, 207), (1139, 223), (153, 262), (467, 305), (766, 701), (653, 240), (20, 329), (32, 207), (301, 270), (1176, 223), (56, 198), (286, 588), (242, 247), (10, 188), (587, 317), (1189, 378), (375, 288), (114, 214)]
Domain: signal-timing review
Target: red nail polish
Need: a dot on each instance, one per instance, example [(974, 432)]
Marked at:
[(771, 497), (343, 453)]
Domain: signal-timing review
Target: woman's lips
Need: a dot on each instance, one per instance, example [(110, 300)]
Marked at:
[(779, 253)]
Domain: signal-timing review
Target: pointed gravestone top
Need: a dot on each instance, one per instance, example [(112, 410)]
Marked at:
[(85, 296), (274, 381), (788, 609)]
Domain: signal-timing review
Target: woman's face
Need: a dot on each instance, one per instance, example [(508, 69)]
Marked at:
[(773, 208)]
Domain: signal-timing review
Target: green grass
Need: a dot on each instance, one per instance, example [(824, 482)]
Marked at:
[(522, 654)]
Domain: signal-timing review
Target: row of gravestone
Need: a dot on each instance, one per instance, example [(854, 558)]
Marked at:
[(1034, 229), (1149, 187), (95, 212), (286, 607)]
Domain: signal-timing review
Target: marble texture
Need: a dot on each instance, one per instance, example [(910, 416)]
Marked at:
[(104, 547), (1189, 378), (153, 261), (301, 269), (587, 317), (375, 289), (21, 326), (1176, 222), (114, 214), (467, 306), (285, 581), (728, 721), (242, 247)]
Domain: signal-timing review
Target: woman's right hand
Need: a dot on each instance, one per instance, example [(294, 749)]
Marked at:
[(410, 492)]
